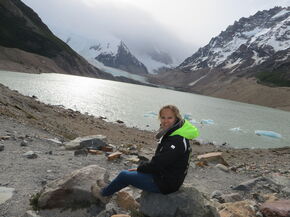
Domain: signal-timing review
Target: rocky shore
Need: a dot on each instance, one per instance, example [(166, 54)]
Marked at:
[(33, 154)]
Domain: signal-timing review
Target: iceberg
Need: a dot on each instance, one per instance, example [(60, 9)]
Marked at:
[(150, 115), (194, 121), (236, 129), (187, 116), (207, 122), (268, 133)]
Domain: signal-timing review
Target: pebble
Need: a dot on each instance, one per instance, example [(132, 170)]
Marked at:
[(81, 152), (24, 143), (30, 155), (1, 147)]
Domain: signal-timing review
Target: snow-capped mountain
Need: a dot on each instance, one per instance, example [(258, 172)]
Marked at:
[(122, 59), (108, 50), (248, 43)]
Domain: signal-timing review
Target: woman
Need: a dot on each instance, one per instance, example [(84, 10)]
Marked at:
[(167, 169)]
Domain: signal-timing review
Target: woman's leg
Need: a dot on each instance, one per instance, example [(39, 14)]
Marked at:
[(139, 180)]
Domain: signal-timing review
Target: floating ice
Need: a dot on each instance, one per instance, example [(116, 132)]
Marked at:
[(267, 133), (150, 115), (187, 116), (236, 129), (207, 122), (194, 121)]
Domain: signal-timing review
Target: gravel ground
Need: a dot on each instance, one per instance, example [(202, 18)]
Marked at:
[(24, 118)]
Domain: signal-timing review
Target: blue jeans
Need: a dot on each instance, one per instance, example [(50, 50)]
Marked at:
[(139, 180)]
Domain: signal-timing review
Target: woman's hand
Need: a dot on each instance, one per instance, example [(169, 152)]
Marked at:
[(132, 169)]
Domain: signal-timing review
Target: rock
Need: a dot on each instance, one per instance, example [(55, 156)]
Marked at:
[(31, 213), (126, 201), (212, 158), (55, 140), (120, 215), (2, 147), (187, 202), (114, 155), (5, 137), (280, 208), (5, 194), (225, 198), (222, 167), (120, 122), (72, 189), (238, 209), (91, 151), (247, 185), (133, 159), (216, 194), (90, 142), (81, 152), (30, 155), (24, 143), (107, 148), (233, 197), (286, 191)]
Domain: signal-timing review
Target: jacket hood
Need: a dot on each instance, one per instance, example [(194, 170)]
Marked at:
[(187, 130)]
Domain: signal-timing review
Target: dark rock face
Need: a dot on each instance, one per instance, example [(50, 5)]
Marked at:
[(123, 60), (187, 202), (21, 27), (257, 44)]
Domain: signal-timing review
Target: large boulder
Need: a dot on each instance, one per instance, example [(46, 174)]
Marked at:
[(280, 208), (72, 190), (187, 202)]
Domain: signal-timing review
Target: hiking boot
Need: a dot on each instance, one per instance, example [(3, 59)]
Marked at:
[(97, 193)]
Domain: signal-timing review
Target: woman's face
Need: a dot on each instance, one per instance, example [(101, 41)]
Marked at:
[(167, 118)]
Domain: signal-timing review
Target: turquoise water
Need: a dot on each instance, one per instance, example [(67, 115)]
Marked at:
[(223, 120)]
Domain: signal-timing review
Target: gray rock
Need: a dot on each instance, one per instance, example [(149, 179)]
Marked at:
[(187, 202), (81, 152), (230, 198), (286, 191), (247, 185), (30, 155), (31, 213), (222, 167), (93, 142), (71, 190), (216, 194), (1, 147), (5, 194), (24, 143), (55, 140)]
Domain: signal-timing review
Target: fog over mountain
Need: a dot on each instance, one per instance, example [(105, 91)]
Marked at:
[(138, 29)]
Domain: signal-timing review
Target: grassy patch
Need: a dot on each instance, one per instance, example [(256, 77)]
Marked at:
[(33, 201), (276, 78)]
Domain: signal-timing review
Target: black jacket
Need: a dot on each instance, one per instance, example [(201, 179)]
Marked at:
[(170, 163)]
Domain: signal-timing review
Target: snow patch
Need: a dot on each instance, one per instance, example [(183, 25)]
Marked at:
[(117, 72), (231, 65), (194, 82), (281, 13)]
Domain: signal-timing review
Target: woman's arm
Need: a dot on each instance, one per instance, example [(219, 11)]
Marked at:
[(172, 151)]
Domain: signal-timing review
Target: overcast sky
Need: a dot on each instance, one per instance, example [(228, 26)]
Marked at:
[(189, 23)]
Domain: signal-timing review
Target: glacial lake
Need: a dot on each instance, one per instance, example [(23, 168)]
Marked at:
[(218, 120)]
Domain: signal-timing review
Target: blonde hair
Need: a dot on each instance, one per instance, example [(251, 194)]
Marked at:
[(173, 108)]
